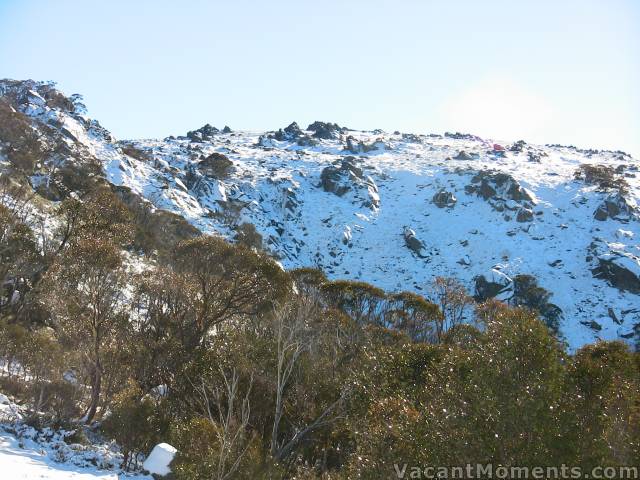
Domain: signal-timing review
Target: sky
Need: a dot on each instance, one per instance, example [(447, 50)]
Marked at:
[(545, 71)]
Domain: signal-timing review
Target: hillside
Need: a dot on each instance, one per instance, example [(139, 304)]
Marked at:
[(392, 209), (317, 303)]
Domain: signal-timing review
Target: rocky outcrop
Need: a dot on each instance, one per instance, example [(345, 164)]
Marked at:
[(202, 134), (290, 132), (348, 177), (215, 165), (413, 243), (616, 207), (620, 269), (326, 130), (461, 136), (487, 184), (358, 146), (614, 264), (462, 155), (495, 284), (524, 215), (502, 192), (444, 199)]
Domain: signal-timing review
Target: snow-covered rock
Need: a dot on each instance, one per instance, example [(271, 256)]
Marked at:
[(316, 205)]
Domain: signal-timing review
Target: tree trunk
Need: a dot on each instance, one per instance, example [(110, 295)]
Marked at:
[(95, 394)]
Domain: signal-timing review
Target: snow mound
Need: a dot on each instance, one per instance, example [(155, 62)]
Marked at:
[(159, 459)]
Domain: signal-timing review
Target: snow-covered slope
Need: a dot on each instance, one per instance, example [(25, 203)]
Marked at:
[(27, 453), (396, 210)]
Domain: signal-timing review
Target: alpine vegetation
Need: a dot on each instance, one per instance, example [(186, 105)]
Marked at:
[(314, 302)]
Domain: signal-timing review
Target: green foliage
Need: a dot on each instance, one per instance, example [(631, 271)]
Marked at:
[(361, 301), (247, 235), (21, 143), (269, 374), (604, 399), (135, 421), (529, 294)]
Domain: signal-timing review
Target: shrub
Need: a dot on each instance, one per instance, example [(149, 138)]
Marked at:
[(135, 152), (135, 423), (247, 235), (604, 177)]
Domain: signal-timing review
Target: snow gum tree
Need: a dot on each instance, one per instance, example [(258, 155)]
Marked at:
[(84, 291)]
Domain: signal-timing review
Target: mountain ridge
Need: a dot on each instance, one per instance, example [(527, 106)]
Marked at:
[(391, 209)]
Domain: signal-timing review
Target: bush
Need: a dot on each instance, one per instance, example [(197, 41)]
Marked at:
[(604, 176), (135, 152), (247, 235), (135, 423)]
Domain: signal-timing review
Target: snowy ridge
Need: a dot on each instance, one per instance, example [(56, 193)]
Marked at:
[(342, 200)]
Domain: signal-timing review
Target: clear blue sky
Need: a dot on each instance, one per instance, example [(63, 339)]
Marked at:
[(546, 71)]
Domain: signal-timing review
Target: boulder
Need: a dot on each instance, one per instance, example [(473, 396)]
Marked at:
[(524, 215), (413, 243), (616, 207), (349, 177), (620, 269), (203, 133), (462, 155), (358, 147), (290, 132), (215, 165), (444, 199), (326, 130), (600, 214), (494, 285), (332, 180), (486, 191)]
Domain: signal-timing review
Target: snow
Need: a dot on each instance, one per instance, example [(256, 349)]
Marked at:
[(27, 453), (348, 239), (21, 464), (359, 235), (159, 459)]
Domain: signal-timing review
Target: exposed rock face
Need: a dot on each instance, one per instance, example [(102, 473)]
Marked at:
[(622, 270), (494, 285), (444, 199), (348, 177), (202, 134), (613, 263), (503, 192), (291, 132), (413, 243), (326, 130), (524, 215), (358, 147), (215, 165), (489, 184), (462, 155), (616, 207)]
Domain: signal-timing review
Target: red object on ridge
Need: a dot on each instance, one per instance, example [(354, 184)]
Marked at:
[(498, 148)]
